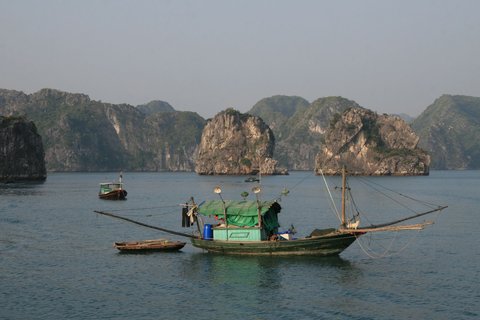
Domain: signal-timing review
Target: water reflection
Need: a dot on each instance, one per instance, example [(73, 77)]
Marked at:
[(25, 188), (266, 285), (266, 271)]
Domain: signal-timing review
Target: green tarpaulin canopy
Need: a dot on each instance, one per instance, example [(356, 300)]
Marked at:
[(235, 208), (244, 213)]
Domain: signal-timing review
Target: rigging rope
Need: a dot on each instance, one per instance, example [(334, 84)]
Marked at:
[(301, 180), (352, 200), (386, 195), (370, 253), (370, 183), (332, 202)]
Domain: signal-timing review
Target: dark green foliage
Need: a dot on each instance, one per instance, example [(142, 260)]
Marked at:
[(232, 112), (372, 132), (449, 130), (22, 153), (299, 126), (302, 135), (334, 120), (276, 110), (155, 107), (179, 128), (246, 162), (239, 117)]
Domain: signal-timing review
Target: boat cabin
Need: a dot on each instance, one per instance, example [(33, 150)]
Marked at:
[(107, 187), (241, 220)]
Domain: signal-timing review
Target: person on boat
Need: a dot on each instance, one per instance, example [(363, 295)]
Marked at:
[(220, 221), (273, 237)]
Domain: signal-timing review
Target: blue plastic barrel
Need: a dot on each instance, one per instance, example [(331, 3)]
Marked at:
[(207, 232)]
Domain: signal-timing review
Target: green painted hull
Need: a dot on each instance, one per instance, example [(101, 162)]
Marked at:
[(326, 245)]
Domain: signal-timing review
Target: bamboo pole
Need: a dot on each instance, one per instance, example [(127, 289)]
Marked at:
[(144, 224), (408, 218), (418, 226)]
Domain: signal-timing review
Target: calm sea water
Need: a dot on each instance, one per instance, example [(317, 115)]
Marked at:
[(57, 259)]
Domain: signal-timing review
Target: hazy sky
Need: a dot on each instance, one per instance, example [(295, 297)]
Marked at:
[(206, 56)]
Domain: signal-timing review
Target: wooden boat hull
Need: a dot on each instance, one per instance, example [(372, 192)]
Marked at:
[(149, 246), (114, 195), (326, 245)]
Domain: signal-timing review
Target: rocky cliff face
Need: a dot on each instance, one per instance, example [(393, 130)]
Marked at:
[(80, 134), (299, 127), (235, 144), (21, 151), (371, 144), (449, 130)]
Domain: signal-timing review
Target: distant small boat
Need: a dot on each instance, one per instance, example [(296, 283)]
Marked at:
[(252, 179), (112, 190), (149, 245)]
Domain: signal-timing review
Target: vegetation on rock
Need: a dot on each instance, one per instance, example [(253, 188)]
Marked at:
[(449, 130), (300, 134), (155, 106), (371, 144), (80, 134), (21, 150)]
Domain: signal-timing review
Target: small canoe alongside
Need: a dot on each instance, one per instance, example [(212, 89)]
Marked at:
[(149, 245)]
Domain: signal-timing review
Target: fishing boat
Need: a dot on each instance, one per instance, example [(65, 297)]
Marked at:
[(149, 246), (112, 190), (254, 178), (251, 227)]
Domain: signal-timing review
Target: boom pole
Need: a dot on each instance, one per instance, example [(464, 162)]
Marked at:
[(144, 224)]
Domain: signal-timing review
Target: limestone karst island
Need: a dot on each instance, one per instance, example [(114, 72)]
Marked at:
[(51, 130)]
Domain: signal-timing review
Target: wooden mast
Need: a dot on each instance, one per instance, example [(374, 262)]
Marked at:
[(259, 214), (344, 182), (257, 190)]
